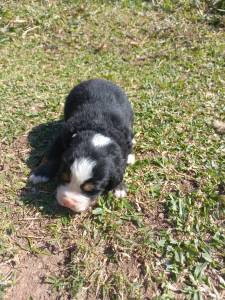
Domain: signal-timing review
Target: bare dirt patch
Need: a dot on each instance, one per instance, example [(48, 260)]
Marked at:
[(30, 277)]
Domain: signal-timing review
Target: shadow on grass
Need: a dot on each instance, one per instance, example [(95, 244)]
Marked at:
[(42, 196)]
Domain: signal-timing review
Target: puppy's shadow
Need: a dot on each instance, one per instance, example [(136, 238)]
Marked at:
[(42, 196)]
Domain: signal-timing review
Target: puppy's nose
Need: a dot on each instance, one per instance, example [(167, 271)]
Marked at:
[(69, 203)]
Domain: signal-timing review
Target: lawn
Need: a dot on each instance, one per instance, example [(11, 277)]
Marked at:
[(166, 239)]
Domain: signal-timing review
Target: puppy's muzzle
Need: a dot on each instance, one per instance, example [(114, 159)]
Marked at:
[(73, 200)]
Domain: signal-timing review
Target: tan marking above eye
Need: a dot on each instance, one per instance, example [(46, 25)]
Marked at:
[(88, 187)]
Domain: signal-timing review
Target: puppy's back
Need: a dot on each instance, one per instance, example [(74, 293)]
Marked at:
[(100, 95)]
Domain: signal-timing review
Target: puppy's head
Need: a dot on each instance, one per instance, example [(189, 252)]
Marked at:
[(86, 170)]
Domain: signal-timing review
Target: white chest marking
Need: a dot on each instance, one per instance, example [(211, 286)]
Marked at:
[(81, 170)]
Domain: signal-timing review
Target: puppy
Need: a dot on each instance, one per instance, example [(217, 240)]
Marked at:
[(94, 146)]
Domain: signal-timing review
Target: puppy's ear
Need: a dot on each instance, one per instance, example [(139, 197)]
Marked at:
[(66, 136)]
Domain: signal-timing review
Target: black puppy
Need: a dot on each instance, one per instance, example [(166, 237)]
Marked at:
[(94, 146)]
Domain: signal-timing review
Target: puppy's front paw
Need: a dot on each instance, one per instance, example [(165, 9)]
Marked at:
[(131, 159), (45, 171), (120, 193), (37, 178)]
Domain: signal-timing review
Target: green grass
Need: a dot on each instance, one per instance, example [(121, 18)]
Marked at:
[(166, 239)]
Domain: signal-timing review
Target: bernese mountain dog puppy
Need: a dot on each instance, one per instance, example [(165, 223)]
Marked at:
[(92, 150)]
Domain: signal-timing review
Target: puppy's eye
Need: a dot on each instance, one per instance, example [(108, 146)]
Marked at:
[(65, 177), (88, 187)]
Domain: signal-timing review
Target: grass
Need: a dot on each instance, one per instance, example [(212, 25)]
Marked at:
[(166, 239)]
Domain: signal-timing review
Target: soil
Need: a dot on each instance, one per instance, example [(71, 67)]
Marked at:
[(31, 273)]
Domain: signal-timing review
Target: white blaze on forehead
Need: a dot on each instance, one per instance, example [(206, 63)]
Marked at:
[(100, 140), (82, 169)]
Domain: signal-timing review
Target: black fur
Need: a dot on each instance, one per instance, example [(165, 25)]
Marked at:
[(93, 106)]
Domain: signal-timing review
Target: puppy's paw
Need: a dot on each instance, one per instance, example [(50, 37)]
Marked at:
[(120, 193), (134, 142), (131, 159), (37, 178)]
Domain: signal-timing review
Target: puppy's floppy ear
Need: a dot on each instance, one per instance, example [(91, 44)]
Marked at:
[(66, 136)]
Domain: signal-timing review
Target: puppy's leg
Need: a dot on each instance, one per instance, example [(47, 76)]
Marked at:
[(50, 163), (120, 191), (131, 156), (130, 159)]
